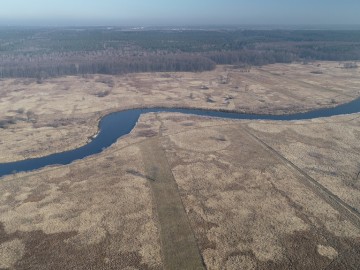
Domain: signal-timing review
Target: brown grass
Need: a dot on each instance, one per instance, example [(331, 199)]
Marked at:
[(50, 119), (244, 206), (183, 186)]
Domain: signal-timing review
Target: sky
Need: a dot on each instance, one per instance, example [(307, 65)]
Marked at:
[(179, 12)]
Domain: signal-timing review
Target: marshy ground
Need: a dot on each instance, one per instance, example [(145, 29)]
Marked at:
[(180, 191)]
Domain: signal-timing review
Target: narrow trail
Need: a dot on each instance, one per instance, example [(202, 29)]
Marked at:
[(179, 247), (345, 209)]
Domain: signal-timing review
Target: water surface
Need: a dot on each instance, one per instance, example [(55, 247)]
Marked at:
[(116, 125)]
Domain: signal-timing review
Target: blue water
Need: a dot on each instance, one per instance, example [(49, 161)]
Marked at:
[(118, 124)]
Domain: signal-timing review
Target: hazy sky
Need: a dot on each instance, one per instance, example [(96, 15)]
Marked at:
[(178, 12)]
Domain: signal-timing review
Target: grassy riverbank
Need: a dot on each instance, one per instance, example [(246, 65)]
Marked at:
[(243, 194)]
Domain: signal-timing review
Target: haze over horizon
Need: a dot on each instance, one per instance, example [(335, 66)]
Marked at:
[(185, 12)]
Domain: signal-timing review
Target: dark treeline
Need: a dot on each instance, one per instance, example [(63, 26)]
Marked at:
[(47, 52), (64, 66), (251, 57)]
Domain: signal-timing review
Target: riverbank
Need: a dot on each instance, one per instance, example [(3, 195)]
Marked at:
[(114, 126), (245, 205), (61, 114)]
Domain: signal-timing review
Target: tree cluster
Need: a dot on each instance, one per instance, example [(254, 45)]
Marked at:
[(42, 53)]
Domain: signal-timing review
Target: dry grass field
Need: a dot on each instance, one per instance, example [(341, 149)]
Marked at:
[(252, 209), (184, 192), (61, 114)]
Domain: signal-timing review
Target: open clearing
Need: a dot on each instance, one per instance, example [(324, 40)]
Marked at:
[(224, 194)]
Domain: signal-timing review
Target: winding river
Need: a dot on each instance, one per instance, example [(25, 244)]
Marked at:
[(116, 125)]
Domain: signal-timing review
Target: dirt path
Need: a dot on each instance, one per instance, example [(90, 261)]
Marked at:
[(179, 247), (345, 209)]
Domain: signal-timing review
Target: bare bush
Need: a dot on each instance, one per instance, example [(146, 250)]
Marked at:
[(350, 65)]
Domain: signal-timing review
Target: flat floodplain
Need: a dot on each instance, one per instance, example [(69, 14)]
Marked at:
[(61, 114), (242, 189)]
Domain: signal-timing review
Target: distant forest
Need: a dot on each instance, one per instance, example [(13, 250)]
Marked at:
[(51, 52)]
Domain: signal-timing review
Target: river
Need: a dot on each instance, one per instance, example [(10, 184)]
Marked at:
[(116, 125)]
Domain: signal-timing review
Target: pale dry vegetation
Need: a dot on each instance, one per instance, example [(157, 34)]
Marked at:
[(324, 149), (183, 184), (62, 114), (247, 209), (93, 214)]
